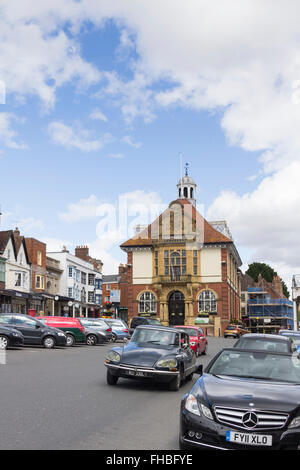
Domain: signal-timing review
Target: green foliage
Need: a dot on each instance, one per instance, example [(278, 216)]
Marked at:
[(267, 273)]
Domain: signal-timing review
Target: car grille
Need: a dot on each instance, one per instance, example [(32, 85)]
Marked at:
[(250, 418)]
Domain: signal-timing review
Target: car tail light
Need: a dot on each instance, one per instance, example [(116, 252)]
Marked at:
[(125, 330), (108, 330)]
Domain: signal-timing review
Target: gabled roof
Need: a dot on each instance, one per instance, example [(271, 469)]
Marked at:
[(208, 235), (5, 236)]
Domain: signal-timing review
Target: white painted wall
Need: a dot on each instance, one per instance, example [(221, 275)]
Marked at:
[(142, 267), (210, 265)]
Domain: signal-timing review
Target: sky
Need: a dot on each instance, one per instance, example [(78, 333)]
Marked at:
[(101, 100)]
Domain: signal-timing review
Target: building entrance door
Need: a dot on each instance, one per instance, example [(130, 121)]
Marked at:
[(176, 308)]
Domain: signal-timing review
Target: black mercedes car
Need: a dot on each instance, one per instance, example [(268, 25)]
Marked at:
[(156, 353), (244, 400), (10, 337)]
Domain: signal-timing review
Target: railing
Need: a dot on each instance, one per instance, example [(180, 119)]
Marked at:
[(174, 278), (269, 301)]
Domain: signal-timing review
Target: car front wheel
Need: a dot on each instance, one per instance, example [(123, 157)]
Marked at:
[(91, 340), (174, 385), (49, 342), (111, 379), (70, 340), (3, 342)]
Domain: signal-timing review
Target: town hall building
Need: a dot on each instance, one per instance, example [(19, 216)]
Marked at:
[(183, 269)]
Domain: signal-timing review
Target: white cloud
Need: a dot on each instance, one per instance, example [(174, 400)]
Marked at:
[(266, 221), (78, 138), (114, 222), (97, 115), (116, 155), (127, 139), (8, 136), (240, 59)]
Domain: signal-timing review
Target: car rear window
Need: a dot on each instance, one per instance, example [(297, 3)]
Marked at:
[(263, 345), (231, 327)]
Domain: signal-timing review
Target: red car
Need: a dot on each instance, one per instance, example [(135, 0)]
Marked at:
[(198, 340)]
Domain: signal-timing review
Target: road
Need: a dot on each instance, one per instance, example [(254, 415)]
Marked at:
[(59, 399)]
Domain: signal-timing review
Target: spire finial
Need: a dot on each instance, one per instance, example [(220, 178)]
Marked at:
[(186, 169)]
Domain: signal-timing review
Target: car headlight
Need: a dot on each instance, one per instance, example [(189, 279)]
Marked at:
[(60, 333), (206, 411), (295, 422), (113, 356), (16, 334), (192, 406), (192, 343), (167, 363)]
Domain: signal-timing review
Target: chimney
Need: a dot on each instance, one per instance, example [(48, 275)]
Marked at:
[(277, 286), (16, 233), (82, 252)]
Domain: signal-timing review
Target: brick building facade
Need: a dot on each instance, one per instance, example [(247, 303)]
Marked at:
[(181, 268)]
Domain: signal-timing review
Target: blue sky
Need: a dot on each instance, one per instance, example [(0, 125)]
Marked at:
[(108, 109)]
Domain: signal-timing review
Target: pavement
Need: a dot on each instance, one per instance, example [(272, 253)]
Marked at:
[(59, 399)]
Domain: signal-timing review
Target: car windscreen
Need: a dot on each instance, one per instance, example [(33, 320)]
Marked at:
[(231, 327), (191, 331), (116, 323), (257, 365), (152, 337), (263, 344), (101, 324), (295, 338), (152, 321)]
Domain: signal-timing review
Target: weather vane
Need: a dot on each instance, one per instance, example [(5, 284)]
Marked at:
[(186, 169)]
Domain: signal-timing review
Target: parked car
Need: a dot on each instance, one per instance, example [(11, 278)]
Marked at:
[(72, 328), (33, 330), (259, 341), (97, 331), (244, 400), (10, 337), (137, 321), (294, 335), (198, 340), (155, 353), (119, 329), (235, 331)]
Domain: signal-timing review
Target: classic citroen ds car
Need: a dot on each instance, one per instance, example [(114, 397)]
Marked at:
[(155, 353), (245, 399)]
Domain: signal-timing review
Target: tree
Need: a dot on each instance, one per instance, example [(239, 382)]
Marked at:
[(267, 273)]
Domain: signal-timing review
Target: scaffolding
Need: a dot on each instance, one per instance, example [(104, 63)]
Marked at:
[(267, 314)]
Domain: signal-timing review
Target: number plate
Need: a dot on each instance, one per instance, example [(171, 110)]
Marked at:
[(249, 439), (136, 373)]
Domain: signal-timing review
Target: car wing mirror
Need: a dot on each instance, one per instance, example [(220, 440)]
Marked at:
[(125, 341), (199, 370)]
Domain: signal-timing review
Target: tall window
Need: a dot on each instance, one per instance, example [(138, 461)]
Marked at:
[(207, 302), (39, 258), (156, 263), (195, 264), (83, 295), (147, 303), (175, 264)]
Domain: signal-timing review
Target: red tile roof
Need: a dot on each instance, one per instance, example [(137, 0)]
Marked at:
[(207, 233)]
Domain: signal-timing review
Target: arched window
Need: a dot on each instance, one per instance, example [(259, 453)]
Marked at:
[(147, 303), (207, 302), (179, 192), (185, 192), (192, 193)]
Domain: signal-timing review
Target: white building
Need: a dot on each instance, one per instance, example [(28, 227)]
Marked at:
[(17, 272), (80, 285)]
